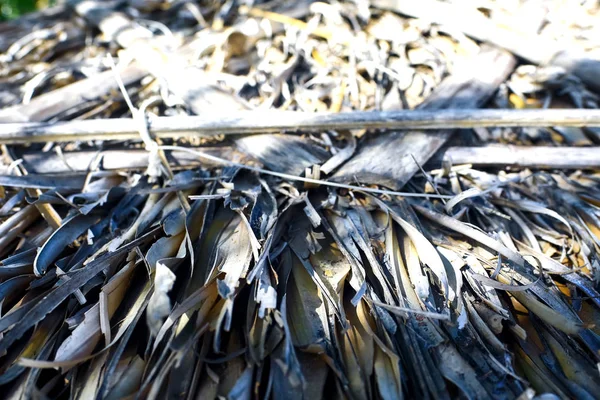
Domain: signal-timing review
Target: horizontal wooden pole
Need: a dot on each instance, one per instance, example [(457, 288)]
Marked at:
[(499, 155), (493, 155), (253, 122)]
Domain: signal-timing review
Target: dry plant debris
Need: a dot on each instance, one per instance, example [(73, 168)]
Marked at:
[(301, 261)]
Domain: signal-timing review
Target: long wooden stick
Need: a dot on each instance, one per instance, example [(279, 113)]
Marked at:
[(525, 156), (493, 155), (533, 48), (252, 122)]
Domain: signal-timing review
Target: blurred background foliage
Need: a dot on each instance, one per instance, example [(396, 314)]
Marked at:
[(14, 8)]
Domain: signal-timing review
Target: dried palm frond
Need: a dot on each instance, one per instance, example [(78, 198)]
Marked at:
[(328, 262), (262, 284)]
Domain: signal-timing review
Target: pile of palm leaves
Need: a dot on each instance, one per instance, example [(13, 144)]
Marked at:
[(260, 287), (240, 271)]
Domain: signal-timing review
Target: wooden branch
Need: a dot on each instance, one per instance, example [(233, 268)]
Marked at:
[(493, 155), (391, 159), (532, 48), (252, 122), (500, 155)]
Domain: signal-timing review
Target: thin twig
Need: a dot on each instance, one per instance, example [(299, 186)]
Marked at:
[(299, 178)]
